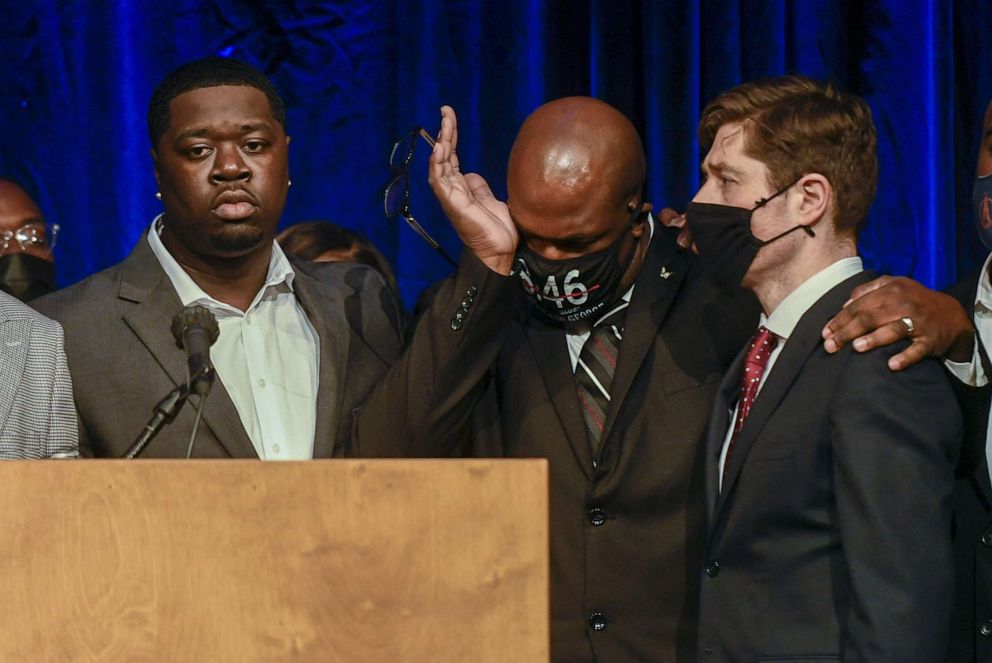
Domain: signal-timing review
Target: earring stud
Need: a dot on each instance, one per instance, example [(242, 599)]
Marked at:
[(158, 194)]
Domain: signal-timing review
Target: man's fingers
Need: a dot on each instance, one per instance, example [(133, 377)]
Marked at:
[(833, 331), (852, 322), (919, 350), (871, 286), (684, 240), (884, 335), (444, 135), (478, 186), (671, 218)]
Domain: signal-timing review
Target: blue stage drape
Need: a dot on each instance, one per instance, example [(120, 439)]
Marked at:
[(77, 76)]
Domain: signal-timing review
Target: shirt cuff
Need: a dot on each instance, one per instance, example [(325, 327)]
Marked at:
[(972, 373)]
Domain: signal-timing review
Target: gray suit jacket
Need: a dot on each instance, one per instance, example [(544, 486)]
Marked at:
[(124, 359), (37, 418)]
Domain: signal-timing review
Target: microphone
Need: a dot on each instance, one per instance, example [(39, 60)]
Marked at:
[(195, 330)]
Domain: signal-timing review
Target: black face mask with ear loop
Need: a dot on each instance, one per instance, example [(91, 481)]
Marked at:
[(25, 276), (576, 289), (727, 247)]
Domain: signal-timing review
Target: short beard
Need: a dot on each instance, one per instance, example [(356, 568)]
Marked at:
[(236, 238)]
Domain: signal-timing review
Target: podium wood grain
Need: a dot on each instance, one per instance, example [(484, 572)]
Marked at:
[(365, 561)]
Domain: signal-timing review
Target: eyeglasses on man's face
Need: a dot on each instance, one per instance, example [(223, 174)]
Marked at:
[(397, 197), (34, 236)]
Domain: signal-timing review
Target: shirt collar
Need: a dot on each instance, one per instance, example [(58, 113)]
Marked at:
[(785, 317), (280, 271)]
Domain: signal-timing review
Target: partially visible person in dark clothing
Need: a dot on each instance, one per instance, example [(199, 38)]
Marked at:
[(323, 241), (27, 266)]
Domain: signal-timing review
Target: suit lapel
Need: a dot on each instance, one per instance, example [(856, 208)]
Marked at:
[(661, 276), (333, 337), (13, 354), (805, 338), (716, 430), (548, 344), (145, 283)]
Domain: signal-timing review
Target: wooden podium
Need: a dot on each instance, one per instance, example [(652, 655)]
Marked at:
[(335, 560)]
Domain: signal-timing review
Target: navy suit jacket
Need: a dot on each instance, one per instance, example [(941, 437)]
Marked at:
[(830, 539)]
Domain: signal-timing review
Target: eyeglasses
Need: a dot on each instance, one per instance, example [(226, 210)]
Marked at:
[(397, 197), (32, 235)]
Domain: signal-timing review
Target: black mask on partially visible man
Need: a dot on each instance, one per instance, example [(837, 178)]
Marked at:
[(25, 276), (575, 289), (727, 247)]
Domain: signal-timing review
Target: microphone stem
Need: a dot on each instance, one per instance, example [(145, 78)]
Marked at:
[(196, 426), (165, 411)]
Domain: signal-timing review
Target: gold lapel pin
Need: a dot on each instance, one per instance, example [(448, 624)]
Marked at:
[(664, 273)]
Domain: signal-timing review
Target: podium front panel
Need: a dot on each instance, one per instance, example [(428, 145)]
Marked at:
[(333, 560)]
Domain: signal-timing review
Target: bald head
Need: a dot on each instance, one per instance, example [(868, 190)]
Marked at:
[(575, 147), (575, 184)]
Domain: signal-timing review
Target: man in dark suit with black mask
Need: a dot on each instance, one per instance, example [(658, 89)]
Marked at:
[(828, 476)]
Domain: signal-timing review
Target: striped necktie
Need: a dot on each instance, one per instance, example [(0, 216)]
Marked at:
[(595, 369)]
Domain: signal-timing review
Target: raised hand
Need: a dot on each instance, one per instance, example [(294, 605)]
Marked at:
[(482, 221)]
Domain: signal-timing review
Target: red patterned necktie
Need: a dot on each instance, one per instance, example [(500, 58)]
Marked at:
[(758, 352)]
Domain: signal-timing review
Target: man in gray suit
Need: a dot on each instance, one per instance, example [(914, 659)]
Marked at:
[(37, 419), (305, 350)]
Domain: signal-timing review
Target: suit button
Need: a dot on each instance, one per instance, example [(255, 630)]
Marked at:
[(597, 517), (987, 539), (597, 621), (986, 629), (712, 568)]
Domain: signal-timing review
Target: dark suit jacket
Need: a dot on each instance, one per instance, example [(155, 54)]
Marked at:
[(831, 537), (626, 539), (971, 626), (123, 357)]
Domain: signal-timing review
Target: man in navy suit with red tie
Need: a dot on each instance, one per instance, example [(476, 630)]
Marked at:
[(828, 476)]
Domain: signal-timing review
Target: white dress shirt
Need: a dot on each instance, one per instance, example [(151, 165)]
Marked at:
[(973, 373), (266, 356), (786, 316)]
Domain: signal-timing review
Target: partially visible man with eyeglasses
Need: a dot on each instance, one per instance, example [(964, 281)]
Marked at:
[(27, 266)]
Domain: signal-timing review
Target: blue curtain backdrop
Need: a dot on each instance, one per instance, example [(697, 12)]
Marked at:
[(77, 75)]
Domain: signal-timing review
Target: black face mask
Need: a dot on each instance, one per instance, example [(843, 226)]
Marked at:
[(726, 245), (25, 276), (579, 288)]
